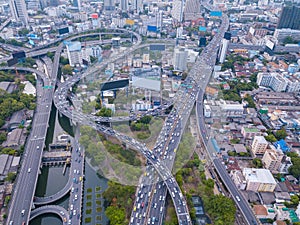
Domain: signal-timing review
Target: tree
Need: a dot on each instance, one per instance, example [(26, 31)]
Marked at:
[(104, 112), (10, 177), (2, 137), (64, 61), (115, 215), (23, 31), (281, 134), (271, 138), (146, 119), (257, 163), (67, 69)]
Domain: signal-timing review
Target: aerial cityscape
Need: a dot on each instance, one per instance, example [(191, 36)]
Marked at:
[(141, 112)]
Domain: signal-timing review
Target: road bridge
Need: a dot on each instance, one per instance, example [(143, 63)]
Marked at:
[(53, 209)]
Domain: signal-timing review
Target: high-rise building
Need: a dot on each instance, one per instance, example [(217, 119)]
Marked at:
[(224, 46), (180, 58), (289, 18), (19, 11), (259, 145), (272, 159), (192, 10), (77, 4), (109, 5), (137, 5), (124, 5), (178, 9), (33, 4), (74, 53)]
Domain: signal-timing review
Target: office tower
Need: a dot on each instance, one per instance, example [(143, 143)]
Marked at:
[(124, 5), (192, 10), (77, 4), (137, 5), (224, 46), (109, 5), (180, 59), (19, 11), (33, 4), (177, 10), (74, 53), (158, 18), (290, 18)]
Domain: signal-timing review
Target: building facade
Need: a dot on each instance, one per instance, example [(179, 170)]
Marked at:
[(259, 180), (259, 145)]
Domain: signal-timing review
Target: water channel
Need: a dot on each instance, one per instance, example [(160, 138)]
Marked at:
[(51, 180)]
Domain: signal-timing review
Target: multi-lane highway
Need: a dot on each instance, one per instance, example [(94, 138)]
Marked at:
[(22, 198)]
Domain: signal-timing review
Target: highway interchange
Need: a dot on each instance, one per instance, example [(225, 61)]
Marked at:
[(161, 158)]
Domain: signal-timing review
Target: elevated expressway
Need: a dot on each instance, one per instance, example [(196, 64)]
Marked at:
[(76, 116), (53, 209)]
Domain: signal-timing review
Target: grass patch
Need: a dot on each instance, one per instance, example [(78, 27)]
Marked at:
[(98, 202), (98, 209), (98, 195), (88, 211), (89, 197), (89, 204), (98, 217), (143, 135), (88, 220), (98, 189), (89, 190)]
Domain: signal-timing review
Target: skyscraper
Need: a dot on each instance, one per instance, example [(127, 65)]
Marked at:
[(137, 5), (19, 11), (109, 5), (77, 4), (177, 10), (290, 18), (124, 5), (224, 46), (180, 59)]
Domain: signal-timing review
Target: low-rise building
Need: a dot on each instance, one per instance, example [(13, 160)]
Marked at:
[(260, 180), (250, 132)]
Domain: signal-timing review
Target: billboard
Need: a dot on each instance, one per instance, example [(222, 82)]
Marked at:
[(19, 55), (94, 16), (270, 44), (152, 28), (12, 61), (215, 13), (64, 30), (114, 85), (157, 47), (129, 22), (150, 84), (201, 28)]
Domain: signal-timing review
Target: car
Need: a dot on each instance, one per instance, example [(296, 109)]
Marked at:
[(11, 222), (29, 170), (23, 212)]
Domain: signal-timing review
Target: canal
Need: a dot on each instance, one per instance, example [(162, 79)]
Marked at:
[(51, 180)]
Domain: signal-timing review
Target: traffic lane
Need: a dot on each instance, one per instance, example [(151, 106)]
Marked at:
[(245, 208)]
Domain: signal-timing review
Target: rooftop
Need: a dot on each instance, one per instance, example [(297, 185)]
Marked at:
[(258, 175)]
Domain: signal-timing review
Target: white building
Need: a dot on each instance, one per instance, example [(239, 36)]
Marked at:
[(74, 53), (259, 180), (278, 82), (281, 34), (259, 145), (207, 111), (180, 58), (177, 10), (19, 11)]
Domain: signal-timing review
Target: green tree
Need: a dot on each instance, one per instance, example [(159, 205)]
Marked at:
[(10, 177), (64, 61), (146, 119), (23, 31), (104, 112), (3, 137), (67, 69), (115, 215), (271, 138), (257, 163), (281, 134)]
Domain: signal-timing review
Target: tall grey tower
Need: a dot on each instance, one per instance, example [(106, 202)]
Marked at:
[(138, 5), (124, 5), (19, 11)]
